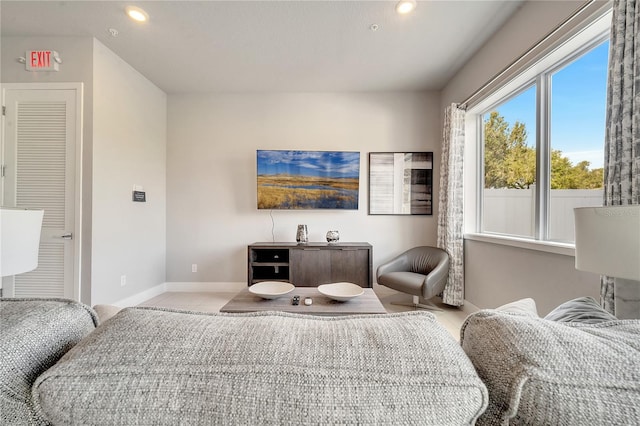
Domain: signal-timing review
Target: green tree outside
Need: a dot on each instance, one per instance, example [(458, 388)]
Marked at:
[(510, 163)]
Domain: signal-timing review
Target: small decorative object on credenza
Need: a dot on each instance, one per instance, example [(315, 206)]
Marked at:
[(333, 236), (302, 236), (608, 243)]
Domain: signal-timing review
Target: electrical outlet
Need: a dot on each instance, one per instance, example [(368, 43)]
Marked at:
[(194, 267), (123, 280)]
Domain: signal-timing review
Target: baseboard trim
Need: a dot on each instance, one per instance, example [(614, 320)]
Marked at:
[(143, 296), (208, 287), (187, 287)]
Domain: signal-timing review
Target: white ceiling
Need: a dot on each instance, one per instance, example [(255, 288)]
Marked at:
[(275, 46)]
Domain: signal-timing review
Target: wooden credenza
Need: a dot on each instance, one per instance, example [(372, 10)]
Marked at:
[(311, 264)]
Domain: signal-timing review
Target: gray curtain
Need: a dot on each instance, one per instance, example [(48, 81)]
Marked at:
[(622, 137), (450, 200)]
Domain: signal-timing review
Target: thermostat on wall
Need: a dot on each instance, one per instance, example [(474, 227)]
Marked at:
[(138, 194)]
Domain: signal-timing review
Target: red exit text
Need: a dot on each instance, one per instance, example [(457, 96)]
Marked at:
[(42, 60)]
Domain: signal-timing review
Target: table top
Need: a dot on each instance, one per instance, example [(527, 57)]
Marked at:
[(367, 303), (310, 245)]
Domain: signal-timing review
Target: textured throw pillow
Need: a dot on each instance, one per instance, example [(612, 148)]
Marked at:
[(581, 310), (523, 306), (541, 372)]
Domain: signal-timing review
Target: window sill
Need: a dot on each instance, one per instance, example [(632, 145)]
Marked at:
[(545, 246)]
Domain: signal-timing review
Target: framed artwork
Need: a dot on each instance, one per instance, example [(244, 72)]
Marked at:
[(400, 183), (308, 179)]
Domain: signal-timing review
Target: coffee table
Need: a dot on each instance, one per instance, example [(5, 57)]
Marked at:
[(367, 303)]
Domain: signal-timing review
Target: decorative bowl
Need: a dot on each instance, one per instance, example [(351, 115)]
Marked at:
[(271, 289), (341, 291)]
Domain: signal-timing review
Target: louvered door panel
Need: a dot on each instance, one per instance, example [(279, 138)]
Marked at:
[(41, 155), (40, 183), (48, 279), (40, 130)]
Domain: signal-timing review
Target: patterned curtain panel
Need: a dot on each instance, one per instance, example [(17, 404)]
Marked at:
[(622, 138), (450, 201)]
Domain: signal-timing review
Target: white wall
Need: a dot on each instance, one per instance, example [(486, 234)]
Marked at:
[(129, 148), (77, 67), (495, 274), (211, 172)]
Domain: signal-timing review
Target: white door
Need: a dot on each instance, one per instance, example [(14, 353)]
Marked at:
[(41, 169)]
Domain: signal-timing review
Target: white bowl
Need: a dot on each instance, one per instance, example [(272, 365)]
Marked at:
[(271, 289), (341, 291)]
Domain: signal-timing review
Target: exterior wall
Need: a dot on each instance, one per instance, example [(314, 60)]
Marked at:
[(511, 211), (211, 173)]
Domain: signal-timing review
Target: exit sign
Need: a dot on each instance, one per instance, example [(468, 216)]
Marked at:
[(42, 60)]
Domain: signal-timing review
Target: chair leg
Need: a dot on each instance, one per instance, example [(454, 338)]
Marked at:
[(417, 305)]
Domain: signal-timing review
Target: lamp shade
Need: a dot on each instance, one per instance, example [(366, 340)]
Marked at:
[(608, 240), (19, 240)]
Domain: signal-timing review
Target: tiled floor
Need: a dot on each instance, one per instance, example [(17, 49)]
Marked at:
[(451, 318)]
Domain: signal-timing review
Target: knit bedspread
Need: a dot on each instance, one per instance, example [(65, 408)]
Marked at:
[(153, 366)]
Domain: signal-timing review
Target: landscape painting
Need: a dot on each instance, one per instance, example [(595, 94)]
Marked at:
[(308, 179)]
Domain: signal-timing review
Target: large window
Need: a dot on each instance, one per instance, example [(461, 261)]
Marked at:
[(510, 165), (541, 140), (577, 127)]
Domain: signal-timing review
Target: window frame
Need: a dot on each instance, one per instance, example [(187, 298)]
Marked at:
[(540, 73)]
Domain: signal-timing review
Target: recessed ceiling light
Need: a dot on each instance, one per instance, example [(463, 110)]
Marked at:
[(405, 6), (137, 14)]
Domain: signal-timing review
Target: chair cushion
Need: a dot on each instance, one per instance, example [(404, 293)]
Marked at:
[(406, 282), (424, 260), (149, 366), (544, 372), (34, 334)]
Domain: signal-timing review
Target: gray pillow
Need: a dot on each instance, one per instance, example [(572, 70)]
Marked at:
[(523, 306), (581, 310), (541, 372)]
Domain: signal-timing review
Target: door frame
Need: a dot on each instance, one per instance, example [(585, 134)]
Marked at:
[(77, 208)]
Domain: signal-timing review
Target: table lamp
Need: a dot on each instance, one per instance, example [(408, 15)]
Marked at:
[(608, 243), (19, 240)]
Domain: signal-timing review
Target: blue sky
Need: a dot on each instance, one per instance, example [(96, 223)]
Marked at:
[(309, 163), (578, 93)]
